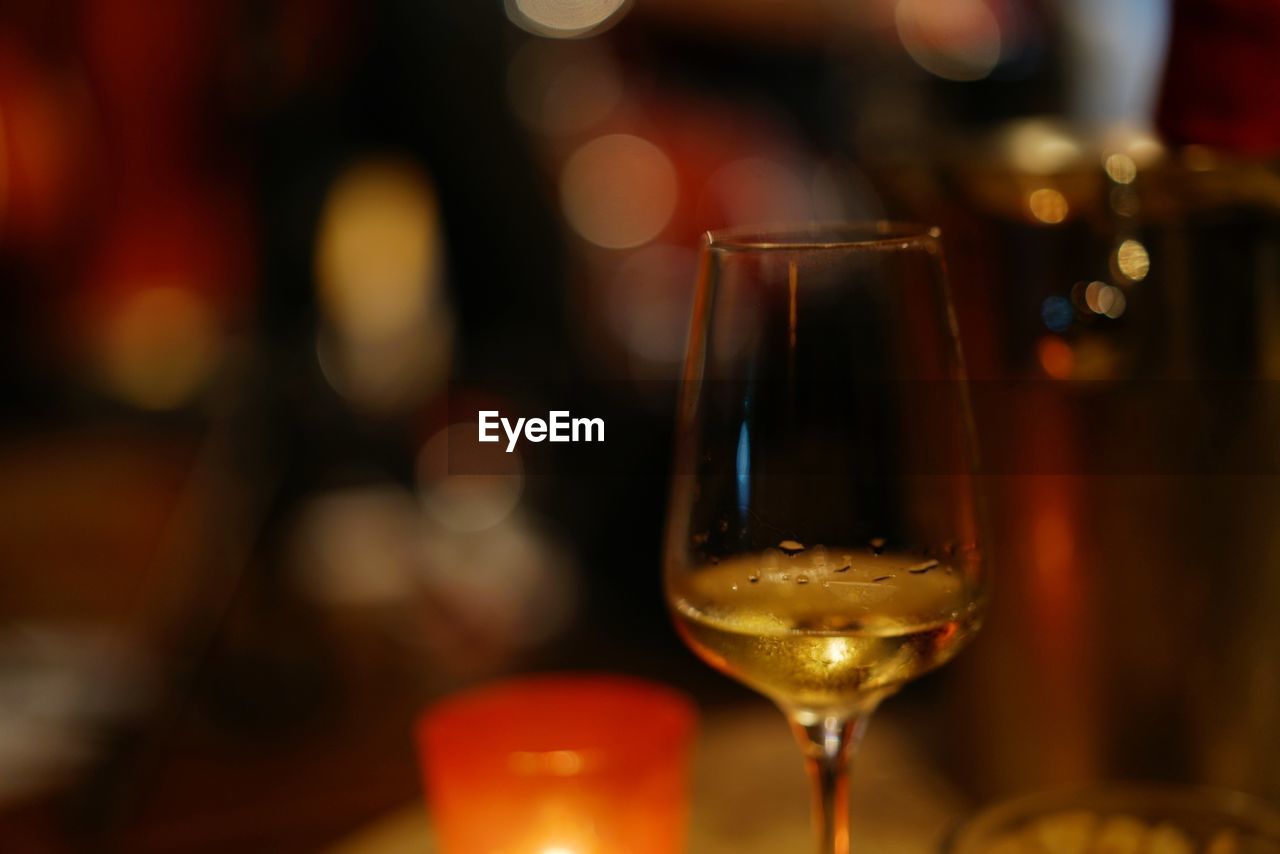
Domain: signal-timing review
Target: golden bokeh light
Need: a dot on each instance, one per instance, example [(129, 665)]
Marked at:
[(377, 250), (159, 346), (1040, 147), (1120, 168), (565, 18), (1048, 205), (1144, 148), (387, 331), (618, 191), (1132, 260), (1138, 144)]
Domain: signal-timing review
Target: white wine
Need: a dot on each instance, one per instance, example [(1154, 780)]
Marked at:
[(825, 628)]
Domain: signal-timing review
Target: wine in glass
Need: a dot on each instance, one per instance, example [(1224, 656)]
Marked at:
[(822, 541)]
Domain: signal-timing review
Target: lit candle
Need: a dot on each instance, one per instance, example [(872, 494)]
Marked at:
[(559, 765)]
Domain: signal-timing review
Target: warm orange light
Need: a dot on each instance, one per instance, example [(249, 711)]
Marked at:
[(559, 765), (159, 346), (618, 191), (1054, 542), (1056, 357), (1048, 205)]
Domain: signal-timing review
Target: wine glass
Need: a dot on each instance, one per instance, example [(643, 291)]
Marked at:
[(822, 541)]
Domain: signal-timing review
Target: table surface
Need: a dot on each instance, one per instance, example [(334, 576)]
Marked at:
[(750, 795)]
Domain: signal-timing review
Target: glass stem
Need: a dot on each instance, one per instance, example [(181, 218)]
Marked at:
[(828, 741)]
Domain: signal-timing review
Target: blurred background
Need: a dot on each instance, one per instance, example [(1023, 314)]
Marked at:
[(257, 259)]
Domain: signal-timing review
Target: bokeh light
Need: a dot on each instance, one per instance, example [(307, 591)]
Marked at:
[(1048, 205), (377, 251), (64, 683), (468, 502), (1143, 147), (1057, 313), (1056, 357), (1136, 143), (1105, 299), (159, 346), (1132, 260), (42, 145), (953, 39), (1091, 294), (387, 331), (1040, 147), (1120, 168), (1111, 302), (618, 191), (487, 595), (355, 546), (565, 18)]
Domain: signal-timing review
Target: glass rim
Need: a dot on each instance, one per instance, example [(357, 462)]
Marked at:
[(879, 234)]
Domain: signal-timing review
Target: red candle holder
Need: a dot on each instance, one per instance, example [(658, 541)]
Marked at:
[(582, 764)]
